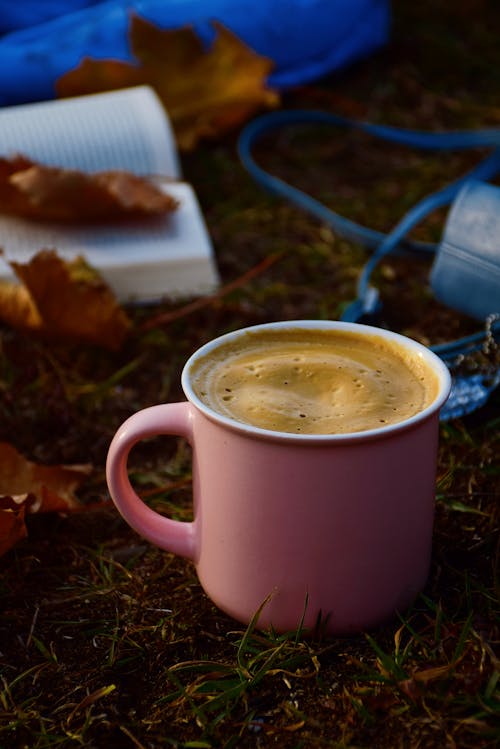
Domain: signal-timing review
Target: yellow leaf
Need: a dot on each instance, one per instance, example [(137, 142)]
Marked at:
[(63, 299), (206, 92), (17, 307)]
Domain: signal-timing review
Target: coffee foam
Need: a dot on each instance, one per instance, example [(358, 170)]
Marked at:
[(314, 381)]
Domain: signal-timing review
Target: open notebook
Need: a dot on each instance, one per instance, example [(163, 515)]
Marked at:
[(126, 129)]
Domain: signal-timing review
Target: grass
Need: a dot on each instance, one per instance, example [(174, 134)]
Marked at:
[(107, 641)]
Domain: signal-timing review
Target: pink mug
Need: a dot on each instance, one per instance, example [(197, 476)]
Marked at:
[(306, 528)]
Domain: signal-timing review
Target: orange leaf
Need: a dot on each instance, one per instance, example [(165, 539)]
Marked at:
[(28, 487), (48, 193), (17, 307), (10, 199), (63, 299), (206, 92), (12, 525)]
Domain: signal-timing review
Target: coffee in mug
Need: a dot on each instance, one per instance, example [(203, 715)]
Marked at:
[(314, 460), (314, 381)]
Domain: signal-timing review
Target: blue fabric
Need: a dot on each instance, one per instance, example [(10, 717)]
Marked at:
[(306, 39), (18, 15)]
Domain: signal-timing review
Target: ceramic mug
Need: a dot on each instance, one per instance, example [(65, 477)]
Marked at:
[(329, 527)]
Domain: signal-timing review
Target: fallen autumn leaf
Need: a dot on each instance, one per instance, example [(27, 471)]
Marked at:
[(27, 487), (63, 299), (205, 92), (48, 193)]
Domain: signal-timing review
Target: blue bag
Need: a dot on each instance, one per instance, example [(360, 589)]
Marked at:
[(306, 39)]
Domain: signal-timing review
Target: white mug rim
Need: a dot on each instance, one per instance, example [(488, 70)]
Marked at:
[(432, 360)]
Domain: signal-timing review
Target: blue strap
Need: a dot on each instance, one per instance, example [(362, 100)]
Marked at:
[(367, 301)]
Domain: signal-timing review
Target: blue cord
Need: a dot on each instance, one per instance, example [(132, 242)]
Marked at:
[(382, 244)]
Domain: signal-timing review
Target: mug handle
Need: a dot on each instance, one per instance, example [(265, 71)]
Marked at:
[(169, 418)]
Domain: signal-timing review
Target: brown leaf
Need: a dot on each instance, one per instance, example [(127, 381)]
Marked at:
[(410, 688), (17, 307), (424, 676), (63, 299), (206, 92), (10, 199), (47, 193), (28, 487), (12, 525)]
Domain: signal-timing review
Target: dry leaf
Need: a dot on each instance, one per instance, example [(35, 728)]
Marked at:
[(46, 193), (63, 299), (205, 92), (12, 525), (424, 676), (17, 307), (10, 199), (27, 487)]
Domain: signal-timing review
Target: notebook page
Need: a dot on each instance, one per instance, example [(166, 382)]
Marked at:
[(125, 129)]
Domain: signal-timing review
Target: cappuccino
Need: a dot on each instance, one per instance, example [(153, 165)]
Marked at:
[(317, 381)]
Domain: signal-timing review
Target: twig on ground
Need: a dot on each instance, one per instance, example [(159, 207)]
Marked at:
[(167, 317)]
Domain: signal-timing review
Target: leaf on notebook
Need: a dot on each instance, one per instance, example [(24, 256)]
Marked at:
[(27, 487), (63, 299), (205, 91), (48, 193), (10, 199)]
